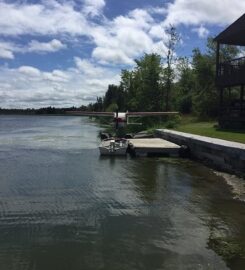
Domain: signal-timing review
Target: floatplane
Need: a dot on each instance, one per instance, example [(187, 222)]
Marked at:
[(118, 146)]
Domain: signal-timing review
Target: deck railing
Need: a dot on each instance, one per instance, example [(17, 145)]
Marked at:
[(231, 73)]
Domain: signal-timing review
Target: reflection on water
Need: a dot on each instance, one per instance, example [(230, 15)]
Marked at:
[(62, 206)]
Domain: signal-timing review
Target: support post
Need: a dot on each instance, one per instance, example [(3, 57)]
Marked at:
[(221, 90), (217, 59), (229, 100), (241, 97)]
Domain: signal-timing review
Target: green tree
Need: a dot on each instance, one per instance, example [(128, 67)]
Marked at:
[(185, 86), (170, 44), (126, 86), (205, 96), (147, 83), (114, 95)]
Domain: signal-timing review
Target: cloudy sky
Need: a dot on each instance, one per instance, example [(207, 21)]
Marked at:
[(66, 52)]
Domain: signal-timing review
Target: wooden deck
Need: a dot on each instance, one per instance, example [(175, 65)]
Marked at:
[(152, 147)]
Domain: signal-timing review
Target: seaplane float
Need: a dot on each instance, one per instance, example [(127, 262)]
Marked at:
[(118, 146)]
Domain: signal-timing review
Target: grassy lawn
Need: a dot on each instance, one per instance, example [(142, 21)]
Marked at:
[(208, 129)]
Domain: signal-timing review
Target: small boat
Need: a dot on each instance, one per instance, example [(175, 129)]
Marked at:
[(113, 147)]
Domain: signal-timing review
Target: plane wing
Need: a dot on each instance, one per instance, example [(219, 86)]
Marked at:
[(138, 114), (86, 113)]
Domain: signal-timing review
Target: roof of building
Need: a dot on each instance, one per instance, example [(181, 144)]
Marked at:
[(233, 34)]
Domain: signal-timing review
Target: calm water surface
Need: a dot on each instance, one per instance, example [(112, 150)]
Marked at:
[(62, 206)]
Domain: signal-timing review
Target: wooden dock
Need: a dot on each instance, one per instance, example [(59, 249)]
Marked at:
[(153, 147)]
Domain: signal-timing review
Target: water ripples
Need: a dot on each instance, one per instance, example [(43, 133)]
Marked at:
[(64, 207)]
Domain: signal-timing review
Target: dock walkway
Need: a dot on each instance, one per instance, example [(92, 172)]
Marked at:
[(153, 146)]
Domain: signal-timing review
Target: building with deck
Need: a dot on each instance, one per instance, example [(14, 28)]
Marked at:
[(230, 77)]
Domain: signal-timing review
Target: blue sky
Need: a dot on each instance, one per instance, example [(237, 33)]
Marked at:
[(63, 53)]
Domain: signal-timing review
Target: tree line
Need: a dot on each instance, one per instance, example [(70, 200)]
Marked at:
[(45, 110), (166, 83)]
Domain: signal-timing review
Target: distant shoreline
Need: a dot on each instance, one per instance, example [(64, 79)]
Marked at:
[(36, 114), (40, 111)]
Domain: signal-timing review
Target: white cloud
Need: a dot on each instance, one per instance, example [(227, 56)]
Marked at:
[(137, 18), (85, 66), (196, 12), (28, 86), (6, 50), (28, 70), (52, 46), (125, 38), (111, 56), (157, 31), (46, 18), (93, 8), (201, 31), (157, 10), (56, 76), (116, 41)]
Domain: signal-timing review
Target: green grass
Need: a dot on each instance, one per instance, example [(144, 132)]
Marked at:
[(209, 129)]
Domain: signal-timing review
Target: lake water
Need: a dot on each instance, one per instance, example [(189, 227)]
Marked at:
[(62, 206)]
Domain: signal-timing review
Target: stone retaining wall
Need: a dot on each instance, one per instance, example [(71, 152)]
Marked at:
[(220, 154)]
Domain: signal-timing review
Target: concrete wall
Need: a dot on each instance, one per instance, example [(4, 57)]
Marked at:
[(220, 154)]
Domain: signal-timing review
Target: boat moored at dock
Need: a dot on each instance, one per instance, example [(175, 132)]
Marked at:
[(113, 147)]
